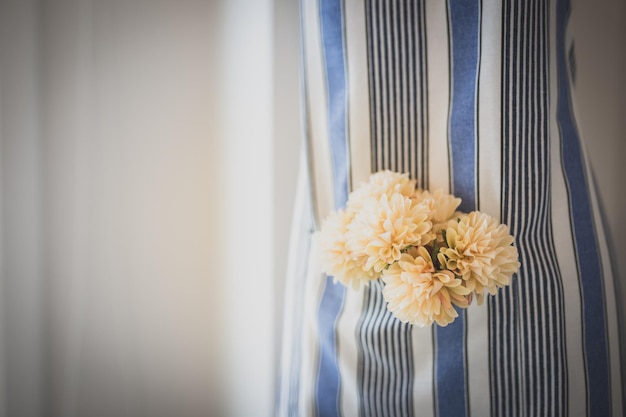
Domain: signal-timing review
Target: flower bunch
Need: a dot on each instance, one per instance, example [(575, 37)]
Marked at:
[(430, 257)]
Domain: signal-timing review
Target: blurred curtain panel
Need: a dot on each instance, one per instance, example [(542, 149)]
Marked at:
[(137, 207)]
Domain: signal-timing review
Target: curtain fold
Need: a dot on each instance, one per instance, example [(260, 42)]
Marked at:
[(136, 208)]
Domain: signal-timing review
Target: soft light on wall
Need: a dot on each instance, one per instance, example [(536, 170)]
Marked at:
[(137, 208)]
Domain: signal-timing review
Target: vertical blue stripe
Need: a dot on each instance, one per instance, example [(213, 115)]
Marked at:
[(590, 270), (331, 19), (450, 355), (328, 382), (465, 33), (450, 368)]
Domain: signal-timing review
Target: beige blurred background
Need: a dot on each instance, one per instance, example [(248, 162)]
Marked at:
[(148, 159)]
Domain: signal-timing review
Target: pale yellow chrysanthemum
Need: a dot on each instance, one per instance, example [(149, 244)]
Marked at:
[(382, 182), (337, 258), (418, 294), (442, 205), (479, 249), (384, 227)]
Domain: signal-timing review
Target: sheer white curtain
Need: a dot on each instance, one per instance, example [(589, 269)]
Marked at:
[(147, 165), (138, 197)]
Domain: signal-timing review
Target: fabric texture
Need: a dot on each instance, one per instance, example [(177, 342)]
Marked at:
[(472, 97)]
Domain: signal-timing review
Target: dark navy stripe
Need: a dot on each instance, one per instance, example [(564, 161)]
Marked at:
[(528, 325), (328, 382), (385, 361), (450, 355), (590, 270), (398, 86), (397, 80)]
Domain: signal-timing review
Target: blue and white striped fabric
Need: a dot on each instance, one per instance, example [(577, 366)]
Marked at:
[(473, 97)]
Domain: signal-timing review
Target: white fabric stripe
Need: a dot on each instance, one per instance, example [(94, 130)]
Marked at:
[(479, 63), (314, 286), (397, 91), (348, 351), (438, 85), (609, 299), (489, 183), (392, 79), (438, 93), (360, 150), (507, 317), (495, 354), (561, 342), (384, 41), (294, 293), (372, 25), (406, 138), (415, 107), (316, 107), (525, 367), (555, 395), (358, 90), (502, 316), (571, 289), (550, 313), (477, 319), (563, 242), (526, 259), (550, 334), (422, 122), (411, 100), (488, 106)]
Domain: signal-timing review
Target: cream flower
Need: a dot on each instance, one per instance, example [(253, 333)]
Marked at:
[(391, 229), (479, 249), (442, 205), (383, 182), (384, 227), (418, 294), (337, 258)]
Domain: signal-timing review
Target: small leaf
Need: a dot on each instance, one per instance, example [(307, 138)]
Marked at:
[(433, 255)]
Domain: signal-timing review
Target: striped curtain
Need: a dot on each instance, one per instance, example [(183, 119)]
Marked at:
[(472, 97)]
